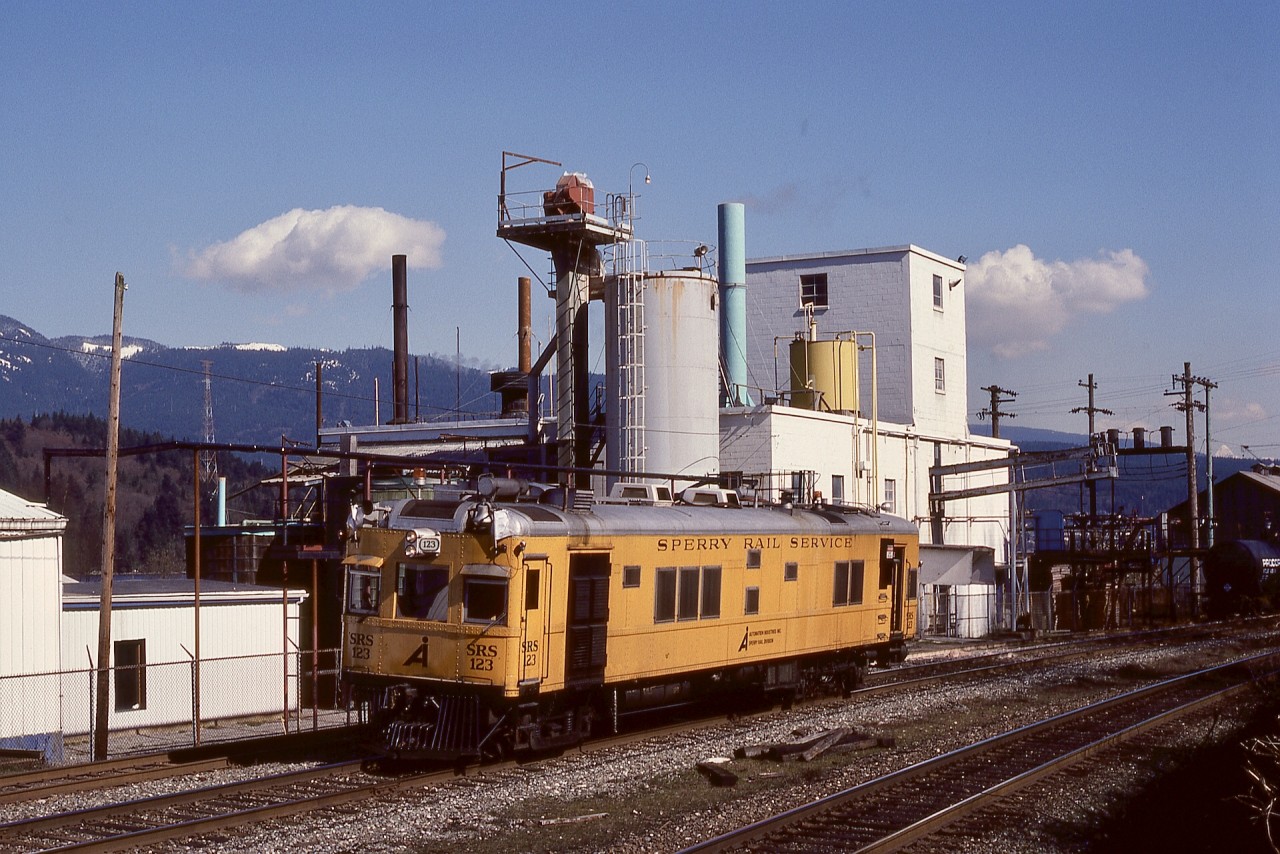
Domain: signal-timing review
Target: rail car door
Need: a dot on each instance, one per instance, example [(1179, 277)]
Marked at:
[(893, 576), (588, 618), (535, 619)]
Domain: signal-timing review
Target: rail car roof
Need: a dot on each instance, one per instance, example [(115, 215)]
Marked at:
[(527, 519)]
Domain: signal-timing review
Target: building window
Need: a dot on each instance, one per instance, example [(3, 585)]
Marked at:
[(790, 571), (813, 290), (890, 495), (131, 675), (752, 604), (837, 488), (939, 375), (631, 576), (847, 583), (937, 292)]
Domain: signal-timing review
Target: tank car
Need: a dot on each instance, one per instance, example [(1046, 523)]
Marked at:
[(495, 623), (1242, 577)]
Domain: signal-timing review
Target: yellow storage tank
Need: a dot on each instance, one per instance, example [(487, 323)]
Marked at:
[(824, 375)]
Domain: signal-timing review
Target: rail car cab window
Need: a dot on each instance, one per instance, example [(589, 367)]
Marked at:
[(363, 589), (484, 600), (913, 581), (422, 592), (848, 583)]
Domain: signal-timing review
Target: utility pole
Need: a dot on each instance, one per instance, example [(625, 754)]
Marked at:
[(1092, 411), (102, 692), (1189, 405), (994, 411)]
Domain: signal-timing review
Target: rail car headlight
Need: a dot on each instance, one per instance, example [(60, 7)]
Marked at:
[(420, 542)]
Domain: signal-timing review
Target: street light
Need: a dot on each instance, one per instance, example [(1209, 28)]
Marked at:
[(631, 196)]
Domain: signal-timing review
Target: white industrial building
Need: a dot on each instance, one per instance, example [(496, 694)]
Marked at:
[(49, 643), (857, 369), (245, 633), (30, 567)]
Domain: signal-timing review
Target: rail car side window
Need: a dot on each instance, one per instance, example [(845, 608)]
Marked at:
[(753, 558), (362, 592), (422, 592), (710, 592), (664, 596), (752, 603), (484, 600), (687, 601), (790, 571), (532, 584), (631, 576), (848, 582)]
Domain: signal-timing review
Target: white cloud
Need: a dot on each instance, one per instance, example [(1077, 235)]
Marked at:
[(1017, 302), (328, 251)]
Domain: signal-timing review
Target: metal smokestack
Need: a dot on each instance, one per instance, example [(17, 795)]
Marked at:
[(400, 315), (525, 332), (733, 303)]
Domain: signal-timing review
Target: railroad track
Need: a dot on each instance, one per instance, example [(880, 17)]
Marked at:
[(132, 823), (68, 779), (893, 811)]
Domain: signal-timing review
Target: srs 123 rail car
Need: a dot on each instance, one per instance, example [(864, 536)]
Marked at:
[(495, 623)]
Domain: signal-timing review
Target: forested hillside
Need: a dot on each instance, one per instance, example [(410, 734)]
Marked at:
[(154, 496)]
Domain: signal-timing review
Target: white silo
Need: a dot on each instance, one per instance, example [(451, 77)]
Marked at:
[(663, 385)]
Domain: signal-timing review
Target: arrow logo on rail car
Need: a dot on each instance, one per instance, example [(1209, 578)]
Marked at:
[(419, 655), (746, 633)]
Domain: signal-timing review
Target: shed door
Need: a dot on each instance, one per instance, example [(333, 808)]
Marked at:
[(587, 628)]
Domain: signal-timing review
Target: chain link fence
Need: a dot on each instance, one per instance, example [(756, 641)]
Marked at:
[(50, 717)]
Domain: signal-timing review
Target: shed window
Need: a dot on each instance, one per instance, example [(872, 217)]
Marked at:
[(131, 675), (484, 600)]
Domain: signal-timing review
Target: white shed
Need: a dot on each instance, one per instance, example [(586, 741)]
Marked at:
[(248, 650), (30, 567), (958, 593)]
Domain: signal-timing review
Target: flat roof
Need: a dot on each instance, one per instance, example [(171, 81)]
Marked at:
[(848, 253), (160, 591)]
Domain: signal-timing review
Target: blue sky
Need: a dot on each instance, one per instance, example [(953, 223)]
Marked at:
[(1110, 170)]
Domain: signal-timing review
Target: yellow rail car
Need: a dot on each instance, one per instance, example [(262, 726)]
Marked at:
[(484, 625)]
